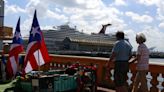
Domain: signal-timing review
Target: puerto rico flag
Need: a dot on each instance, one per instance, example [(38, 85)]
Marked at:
[(36, 54), (15, 49)]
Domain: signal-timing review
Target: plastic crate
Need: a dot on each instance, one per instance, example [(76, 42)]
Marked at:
[(64, 83), (26, 86), (57, 83), (46, 84), (43, 84), (72, 82)]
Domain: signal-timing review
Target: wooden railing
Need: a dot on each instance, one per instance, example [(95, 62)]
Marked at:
[(154, 77)]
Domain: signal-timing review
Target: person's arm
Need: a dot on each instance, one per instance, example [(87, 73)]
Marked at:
[(111, 59), (135, 59), (115, 50)]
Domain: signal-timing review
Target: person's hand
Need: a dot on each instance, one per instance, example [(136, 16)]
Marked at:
[(107, 64), (132, 60), (112, 65)]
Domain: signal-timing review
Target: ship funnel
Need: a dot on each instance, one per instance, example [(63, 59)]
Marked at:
[(103, 29)]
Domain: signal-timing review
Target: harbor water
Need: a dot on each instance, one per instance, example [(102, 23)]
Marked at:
[(157, 60)]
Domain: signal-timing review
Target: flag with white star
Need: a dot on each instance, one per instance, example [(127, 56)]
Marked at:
[(17, 39), (15, 49), (36, 54)]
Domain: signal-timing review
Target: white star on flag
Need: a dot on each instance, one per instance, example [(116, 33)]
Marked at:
[(34, 31)]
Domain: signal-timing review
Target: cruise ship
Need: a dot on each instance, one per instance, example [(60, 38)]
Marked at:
[(68, 40)]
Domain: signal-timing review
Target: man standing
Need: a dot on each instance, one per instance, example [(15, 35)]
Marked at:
[(121, 53)]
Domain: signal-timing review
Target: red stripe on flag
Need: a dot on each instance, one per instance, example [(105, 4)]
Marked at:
[(44, 51), (16, 50), (33, 62)]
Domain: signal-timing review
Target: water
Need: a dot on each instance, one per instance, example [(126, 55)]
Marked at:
[(156, 60)]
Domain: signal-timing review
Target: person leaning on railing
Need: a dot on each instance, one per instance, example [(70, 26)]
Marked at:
[(121, 53), (142, 67)]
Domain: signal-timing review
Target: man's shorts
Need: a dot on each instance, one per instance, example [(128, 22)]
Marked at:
[(120, 72)]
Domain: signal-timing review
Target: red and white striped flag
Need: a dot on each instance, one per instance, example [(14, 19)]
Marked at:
[(36, 54), (15, 49)]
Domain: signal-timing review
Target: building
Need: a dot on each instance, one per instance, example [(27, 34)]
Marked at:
[(5, 32), (6, 35)]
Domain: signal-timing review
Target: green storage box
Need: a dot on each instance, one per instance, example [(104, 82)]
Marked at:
[(26, 86), (64, 83)]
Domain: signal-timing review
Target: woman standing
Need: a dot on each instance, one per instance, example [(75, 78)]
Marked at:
[(142, 68)]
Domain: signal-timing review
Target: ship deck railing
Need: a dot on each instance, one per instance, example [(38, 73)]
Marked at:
[(155, 75)]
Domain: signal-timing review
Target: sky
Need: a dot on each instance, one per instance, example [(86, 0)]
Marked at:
[(130, 16)]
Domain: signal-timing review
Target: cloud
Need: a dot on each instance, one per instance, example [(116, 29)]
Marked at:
[(153, 35), (40, 6), (86, 15), (13, 9), (26, 26), (91, 5), (130, 34), (53, 15), (160, 10), (92, 20), (33, 2), (139, 18), (161, 25), (155, 38), (82, 4), (120, 3), (147, 2), (65, 3)]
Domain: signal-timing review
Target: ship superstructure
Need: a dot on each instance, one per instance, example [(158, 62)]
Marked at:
[(66, 38)]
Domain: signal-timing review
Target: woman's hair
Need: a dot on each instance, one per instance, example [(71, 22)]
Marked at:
[(120, 35), (141, 37)]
